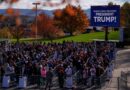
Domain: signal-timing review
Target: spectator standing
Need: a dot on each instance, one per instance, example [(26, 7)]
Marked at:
[(1, 73), (49, 77), (69, 81), (61, 75), (37, 74), (9, 70), (93, 74), (85, 75), (43, 75), (109, 71)]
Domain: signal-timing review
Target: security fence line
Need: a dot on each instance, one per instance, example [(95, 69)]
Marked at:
[(106, 76), (119, 83), (23, 81)]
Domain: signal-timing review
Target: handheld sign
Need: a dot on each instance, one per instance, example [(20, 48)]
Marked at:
[(105, 16)]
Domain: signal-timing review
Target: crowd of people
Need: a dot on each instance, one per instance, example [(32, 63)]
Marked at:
[(42, 62)]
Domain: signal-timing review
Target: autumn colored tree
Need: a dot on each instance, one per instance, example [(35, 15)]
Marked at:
[(9, 31), (71, 19), (17, 32), (33, 30), (1, 17), (45, 27), (5, 33), (125, 15)]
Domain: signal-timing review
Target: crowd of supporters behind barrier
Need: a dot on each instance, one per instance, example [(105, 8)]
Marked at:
[(41, 63)]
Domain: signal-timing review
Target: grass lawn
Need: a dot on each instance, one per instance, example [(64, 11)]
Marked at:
[(79, 38)]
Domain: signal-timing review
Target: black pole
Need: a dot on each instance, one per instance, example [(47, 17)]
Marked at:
[(36, 21), (106, 33), (17, 36), (36, 4)]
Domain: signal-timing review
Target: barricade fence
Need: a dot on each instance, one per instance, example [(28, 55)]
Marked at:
[(106, 76), (119, 83), (22, 81), (124, 81)]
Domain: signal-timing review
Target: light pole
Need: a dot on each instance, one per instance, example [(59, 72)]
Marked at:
[(36, 4)]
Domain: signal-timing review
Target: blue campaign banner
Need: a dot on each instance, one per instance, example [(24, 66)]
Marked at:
[(105, 16)]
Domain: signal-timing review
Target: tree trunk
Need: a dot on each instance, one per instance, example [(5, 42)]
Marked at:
[(17, 39), (106, 33), (51, 40)]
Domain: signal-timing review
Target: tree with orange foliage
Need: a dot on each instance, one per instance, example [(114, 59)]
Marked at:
[(45, 27), (71, 19), (5, 33), (125, 15), (1, 16), (17, 32)]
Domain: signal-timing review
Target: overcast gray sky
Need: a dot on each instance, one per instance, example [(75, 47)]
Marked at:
[(85, 4)]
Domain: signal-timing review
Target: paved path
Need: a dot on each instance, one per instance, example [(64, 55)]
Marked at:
[(122, 63)]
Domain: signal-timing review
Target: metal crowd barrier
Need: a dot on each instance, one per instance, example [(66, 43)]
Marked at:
[(7, 81), (24, 81), (21, 81), (100, 81), (122, 81)]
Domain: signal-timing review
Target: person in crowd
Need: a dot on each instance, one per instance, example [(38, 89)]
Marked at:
[(69, 80), (85, 75), (49, 77), (88, 60), (99, 72), (109, 71), (37, 74), (9, 70), (1, 72), (43, 75), (93, 74), (61, 75)]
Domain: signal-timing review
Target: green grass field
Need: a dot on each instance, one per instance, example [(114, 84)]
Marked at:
[(79, 38)]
